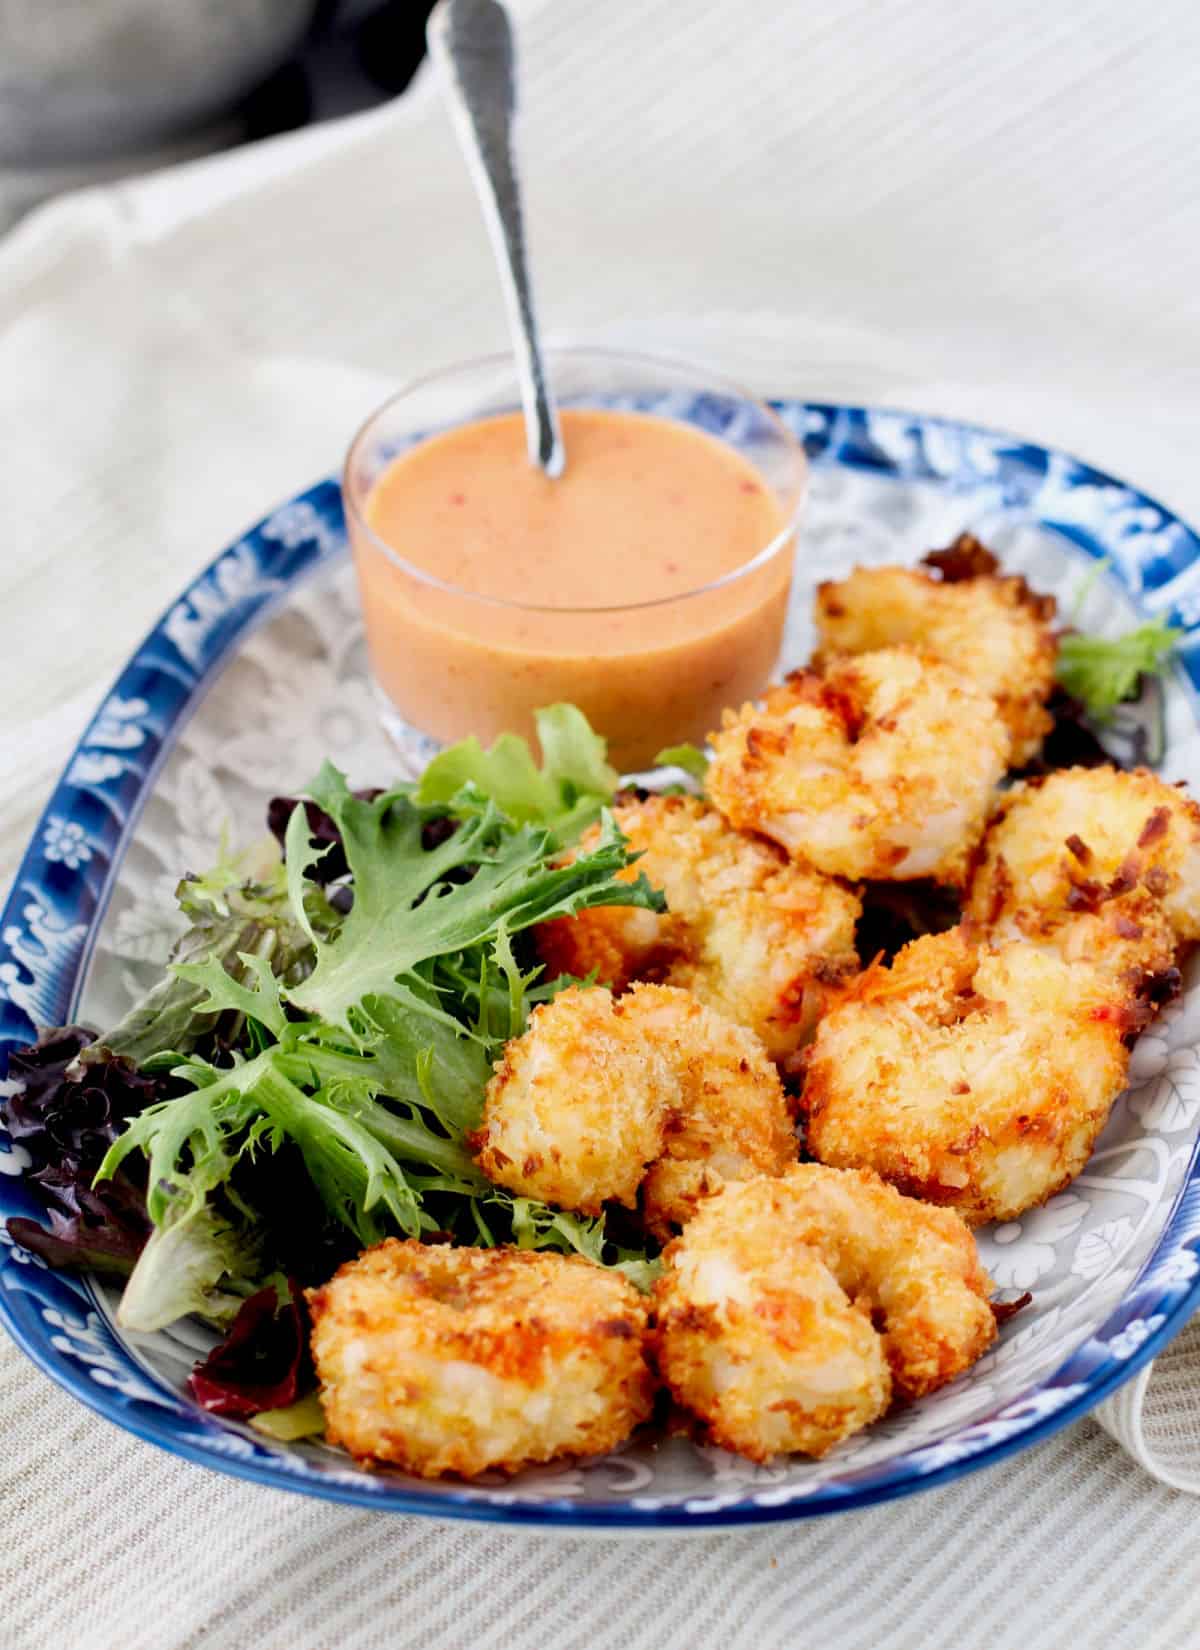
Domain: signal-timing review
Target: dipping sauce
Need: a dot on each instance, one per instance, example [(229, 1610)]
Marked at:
[(590, 588)]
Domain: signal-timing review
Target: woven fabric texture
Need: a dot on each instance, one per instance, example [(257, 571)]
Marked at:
[(979, 210)]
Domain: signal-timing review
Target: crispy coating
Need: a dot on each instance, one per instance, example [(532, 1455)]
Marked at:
[(733, 1121), (577, 1108), (602, 1095), (791, 1309), (991, 627), (1081, 838), (751, 933), (882, 766), (978, 1076), (445, 1360)]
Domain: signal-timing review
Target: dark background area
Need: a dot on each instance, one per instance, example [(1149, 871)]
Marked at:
[(95, 90), (344, 67)]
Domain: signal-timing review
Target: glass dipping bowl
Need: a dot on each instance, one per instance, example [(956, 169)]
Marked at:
[(449, 662)]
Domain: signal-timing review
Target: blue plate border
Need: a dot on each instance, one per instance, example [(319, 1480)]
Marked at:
[(62, 887)]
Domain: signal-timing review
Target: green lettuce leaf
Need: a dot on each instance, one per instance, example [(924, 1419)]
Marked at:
[(182, 1267), (370, 1059), (565, 794), (303, 1419), (1102, 671), (230, 922), (407, 910), (690, 758)]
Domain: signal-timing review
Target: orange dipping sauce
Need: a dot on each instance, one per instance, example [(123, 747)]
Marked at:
[(594, 588)]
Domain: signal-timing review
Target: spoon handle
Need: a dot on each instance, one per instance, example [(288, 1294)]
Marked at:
[(471, 43)]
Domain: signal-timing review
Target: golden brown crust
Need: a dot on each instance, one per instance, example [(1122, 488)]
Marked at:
[(750, 933), (978, 1076), (577, 1107), (654, 1090), (881, 766), (987, 624), (733, 1120), (444, 1360), (792, 1309), (1081, 839)]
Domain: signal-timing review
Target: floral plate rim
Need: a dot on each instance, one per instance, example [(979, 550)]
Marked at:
[(62, 887)]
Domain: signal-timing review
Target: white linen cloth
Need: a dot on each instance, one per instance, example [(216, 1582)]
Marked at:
[(973, 209)]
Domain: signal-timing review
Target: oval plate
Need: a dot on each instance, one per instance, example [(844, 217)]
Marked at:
[(257, 672)]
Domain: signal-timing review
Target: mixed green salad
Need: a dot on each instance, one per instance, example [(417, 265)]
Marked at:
[(303, 1080)]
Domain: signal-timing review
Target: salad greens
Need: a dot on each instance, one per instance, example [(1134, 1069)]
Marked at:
[(690, 758), (1102, 671), (565, 794), (362, 1039), (305, 1078)]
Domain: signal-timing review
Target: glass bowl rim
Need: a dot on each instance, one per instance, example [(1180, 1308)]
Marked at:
[(706, 379)]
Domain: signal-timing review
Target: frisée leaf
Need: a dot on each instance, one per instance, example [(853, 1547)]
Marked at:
[(368, 1063), (407, 911)]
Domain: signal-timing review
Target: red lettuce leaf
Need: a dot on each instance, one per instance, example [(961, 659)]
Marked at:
[(66, 1116), (263, 1362)]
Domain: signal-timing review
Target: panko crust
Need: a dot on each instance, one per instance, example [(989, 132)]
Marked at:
[(1082, 837), (733, 1120), (447, 1360), (751, 933), (883, 766), (577, 1107), (987, 624), (792, 1309), (563, 1117), (978, 1076)]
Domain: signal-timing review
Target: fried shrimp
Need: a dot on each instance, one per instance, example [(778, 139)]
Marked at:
[(882, 766), (1081, 838), (577, 1108), (732, 1121), (990, 626), (748, 931), (601, 1095), (792, 1309), (979, 1076), (447, 1360)]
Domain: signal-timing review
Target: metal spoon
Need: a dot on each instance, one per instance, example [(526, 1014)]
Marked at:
[(471, 43)]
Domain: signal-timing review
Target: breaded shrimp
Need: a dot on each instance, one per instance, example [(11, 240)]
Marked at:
[(988, 625), (883, 766), (749, 932), (601, 1095), (791, 1309), (1082, 837), (733, 1120), (977, 1076), (460, 1360), (577, 1108)]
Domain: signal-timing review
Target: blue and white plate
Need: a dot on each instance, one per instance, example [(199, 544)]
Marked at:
[(258, 672)]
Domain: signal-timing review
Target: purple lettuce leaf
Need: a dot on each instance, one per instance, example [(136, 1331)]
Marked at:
[(331, 865), (66, 1116), (263, 1362)]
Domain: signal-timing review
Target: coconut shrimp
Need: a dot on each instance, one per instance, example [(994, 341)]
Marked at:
[(1082, 838), (752, 934), (602, 1096), (988, 625), (733, 1119), (446, 1360), (979, 1076), (881, 766), (791, 1310)]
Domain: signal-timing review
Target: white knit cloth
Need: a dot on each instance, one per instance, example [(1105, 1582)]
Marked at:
[(971, 208)]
